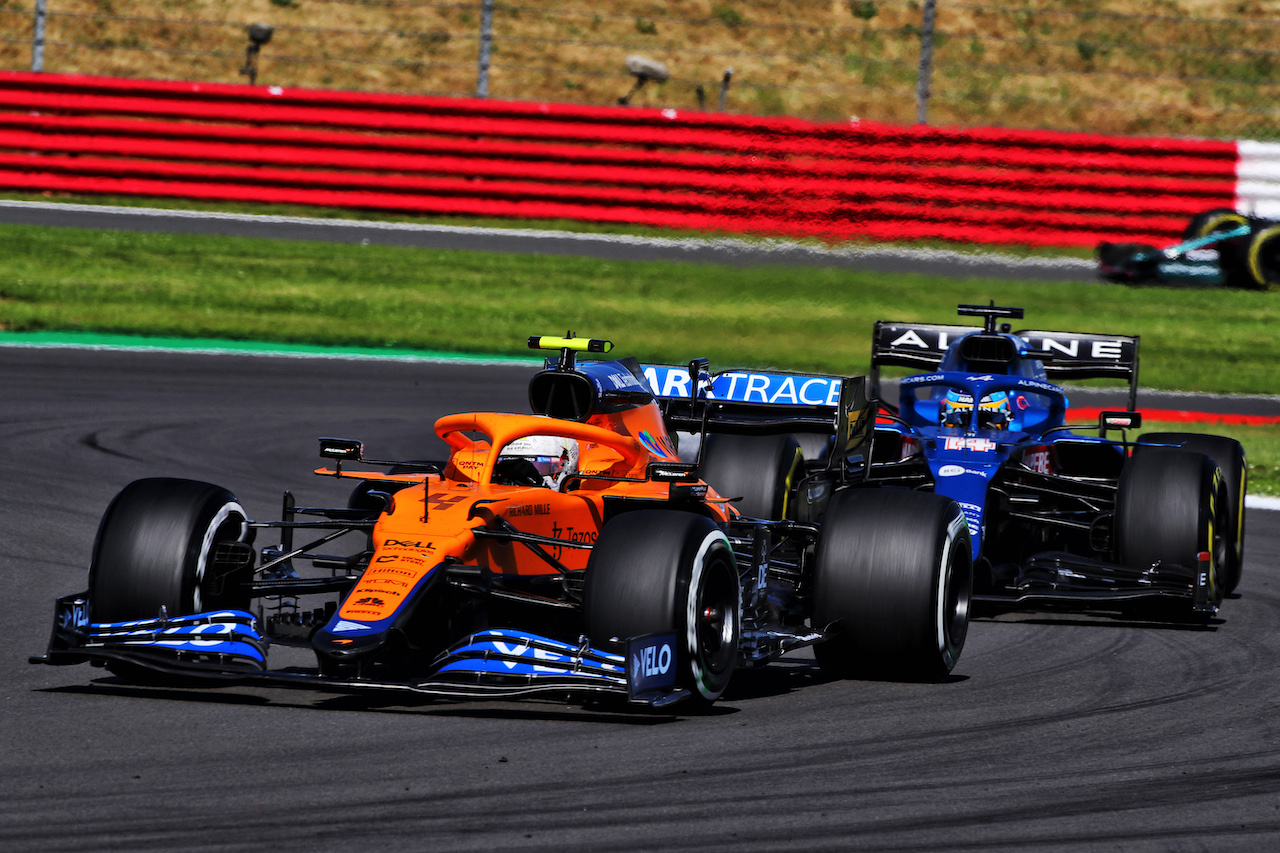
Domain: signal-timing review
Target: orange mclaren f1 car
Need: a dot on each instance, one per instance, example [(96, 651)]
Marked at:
[(569, 551)]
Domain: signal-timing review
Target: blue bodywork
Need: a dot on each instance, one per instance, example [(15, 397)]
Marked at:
[(986, 426), (963, 459)]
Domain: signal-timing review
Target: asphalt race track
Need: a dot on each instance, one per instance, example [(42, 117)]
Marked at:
[(608, 246), (1060, 732)]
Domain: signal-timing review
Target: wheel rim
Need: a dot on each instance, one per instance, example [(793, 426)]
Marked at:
[(716, 629)]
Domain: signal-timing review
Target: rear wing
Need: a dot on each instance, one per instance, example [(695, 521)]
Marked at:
[(1076, 355), (920, 345), (1065, 355), (752, 402)]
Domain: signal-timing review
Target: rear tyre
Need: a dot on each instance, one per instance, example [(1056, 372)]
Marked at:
[(1228, 455), (157, 547), (893, 578), (661, 570), (1170, 507), (1263, 262), (760, 469)]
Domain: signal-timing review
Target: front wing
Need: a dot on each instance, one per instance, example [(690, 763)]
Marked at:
[(225, 645), (1073, 580)]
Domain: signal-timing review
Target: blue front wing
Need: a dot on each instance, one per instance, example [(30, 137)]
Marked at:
[(497, 663)]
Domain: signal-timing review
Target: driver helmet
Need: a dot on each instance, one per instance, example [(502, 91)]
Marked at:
[(994, 410), (555, 457)]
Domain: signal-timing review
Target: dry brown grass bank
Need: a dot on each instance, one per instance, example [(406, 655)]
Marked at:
[(1185, 67)]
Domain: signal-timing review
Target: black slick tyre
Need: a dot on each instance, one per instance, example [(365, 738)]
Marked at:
[(1229, 456), (156, 547), (1170, 507), (893, 579), (759, 469), (663, 570)]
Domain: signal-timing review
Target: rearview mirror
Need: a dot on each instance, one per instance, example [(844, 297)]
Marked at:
[(341, 448)]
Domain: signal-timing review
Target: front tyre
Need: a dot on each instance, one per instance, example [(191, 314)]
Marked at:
[(1228, 454), (157, 547), (667, 571), (893, 578), (1170, 507)]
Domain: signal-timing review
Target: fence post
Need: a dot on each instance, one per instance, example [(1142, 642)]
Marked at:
[(486, 47), (926, 64), (724, 86), (37, 38)]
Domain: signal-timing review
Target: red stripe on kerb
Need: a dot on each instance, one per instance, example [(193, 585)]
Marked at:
[(1180, 416)]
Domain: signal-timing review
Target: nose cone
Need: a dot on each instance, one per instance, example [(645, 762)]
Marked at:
[(345, 640)]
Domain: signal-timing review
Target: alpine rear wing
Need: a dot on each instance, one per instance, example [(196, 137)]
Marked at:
[(1065, 355), (1076, 355), (920, 345), (752, 402)]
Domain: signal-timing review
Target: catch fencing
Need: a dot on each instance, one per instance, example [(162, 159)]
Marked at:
[(679, 169)]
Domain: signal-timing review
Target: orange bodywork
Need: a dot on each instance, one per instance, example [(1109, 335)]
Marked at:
[(433, 520)]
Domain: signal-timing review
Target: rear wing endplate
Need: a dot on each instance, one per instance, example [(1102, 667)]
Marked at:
[(1077, 355), (919, 345)]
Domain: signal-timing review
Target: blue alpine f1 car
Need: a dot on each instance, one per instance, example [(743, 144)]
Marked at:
[(1058, 512)]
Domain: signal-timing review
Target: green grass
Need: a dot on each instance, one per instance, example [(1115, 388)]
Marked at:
[(1261, 447), (804, 319)]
